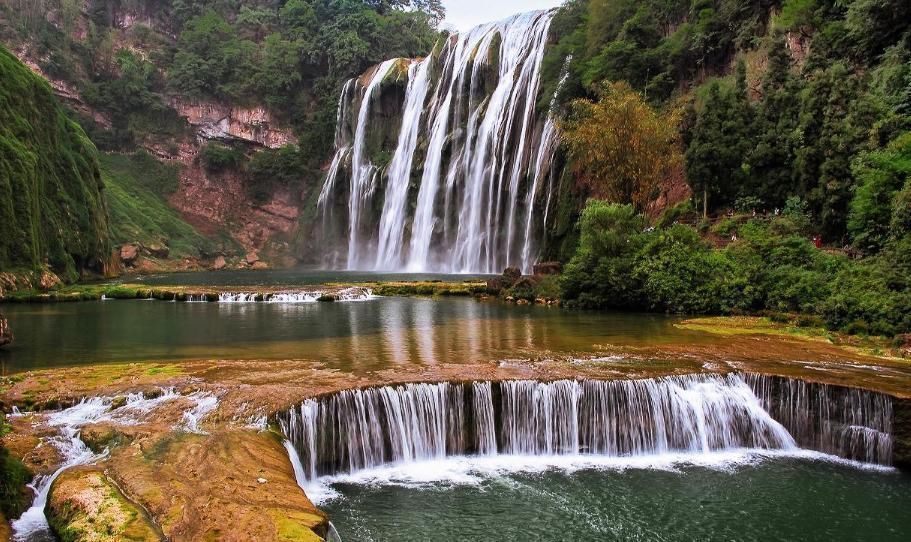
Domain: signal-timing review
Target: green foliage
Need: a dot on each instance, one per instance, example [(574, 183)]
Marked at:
[(13, 477), (136, 188), (879, 207), (771, 267), (51, 205), (217, 158), (273, 168), (720, 141)]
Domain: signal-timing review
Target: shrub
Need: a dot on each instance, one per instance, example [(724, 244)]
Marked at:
[(217, 158)]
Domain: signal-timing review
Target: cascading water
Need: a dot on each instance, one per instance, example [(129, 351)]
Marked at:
[(848, 422), (694, 415), (461, 191)]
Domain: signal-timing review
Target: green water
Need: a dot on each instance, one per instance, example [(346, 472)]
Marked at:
[(362, 335), (780, 499)]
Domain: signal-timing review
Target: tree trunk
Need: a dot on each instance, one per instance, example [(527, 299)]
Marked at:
[(705, 203)]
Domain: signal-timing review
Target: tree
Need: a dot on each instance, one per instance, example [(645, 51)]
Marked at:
[(719, 141), (879, 209), (619, 147)]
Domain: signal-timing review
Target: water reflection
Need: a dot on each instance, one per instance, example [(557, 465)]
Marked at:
[(376, 334)]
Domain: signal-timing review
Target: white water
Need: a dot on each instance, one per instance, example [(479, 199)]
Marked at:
[(205, 404), (73, 450), (346, 294), (487, 152), (363, 171), (399, 429)]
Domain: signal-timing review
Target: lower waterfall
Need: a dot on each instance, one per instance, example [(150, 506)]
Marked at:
[(695, 414)]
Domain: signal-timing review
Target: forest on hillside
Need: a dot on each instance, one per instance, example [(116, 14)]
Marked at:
[(790, 121)]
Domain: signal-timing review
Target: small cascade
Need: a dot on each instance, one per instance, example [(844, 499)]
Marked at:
[(695, 415), (294, 297), (346, 294), (460, 190), (68, 423), (197, 298), (848, 422)]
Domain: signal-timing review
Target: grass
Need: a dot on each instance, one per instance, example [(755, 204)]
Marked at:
[(757, 325), (136, 186)]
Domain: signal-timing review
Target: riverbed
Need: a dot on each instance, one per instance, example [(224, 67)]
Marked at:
[(232, 364)]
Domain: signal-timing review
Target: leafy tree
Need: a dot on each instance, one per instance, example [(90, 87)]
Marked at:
[(719, 141), (879, 208), (620, 147)]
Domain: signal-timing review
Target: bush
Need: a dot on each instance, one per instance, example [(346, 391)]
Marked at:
[(771, 269), (217, 158)]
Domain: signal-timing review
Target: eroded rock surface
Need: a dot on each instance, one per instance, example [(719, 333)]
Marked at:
[(85, 505)]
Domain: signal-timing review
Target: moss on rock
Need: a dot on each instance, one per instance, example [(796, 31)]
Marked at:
[(84, 505), (52, 207)]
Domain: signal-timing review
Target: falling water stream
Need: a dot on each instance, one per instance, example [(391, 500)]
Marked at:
[(450, 459), (461, 192)]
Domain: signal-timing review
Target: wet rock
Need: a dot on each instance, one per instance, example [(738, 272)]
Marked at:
[(220, 263), (85, 505), (548, 268), (129, 253), (505, 281), (102, 435), (6, 336)]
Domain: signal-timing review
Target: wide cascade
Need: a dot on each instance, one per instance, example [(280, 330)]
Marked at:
[(445, 163), (695, 414)]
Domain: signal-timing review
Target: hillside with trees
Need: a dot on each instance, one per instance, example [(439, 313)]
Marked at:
[(792, 123)]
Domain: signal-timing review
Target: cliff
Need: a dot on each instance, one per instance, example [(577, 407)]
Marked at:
[(51, 194)]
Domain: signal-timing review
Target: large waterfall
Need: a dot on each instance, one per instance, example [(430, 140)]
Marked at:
[(696, 414), (444, 163)]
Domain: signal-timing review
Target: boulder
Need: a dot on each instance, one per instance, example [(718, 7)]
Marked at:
[(260, 265), (6, 336), (86, 505), (219, 263), (159, 250), (512, 274), (129, 253), (252, 257), (49, 280), (548, 268)]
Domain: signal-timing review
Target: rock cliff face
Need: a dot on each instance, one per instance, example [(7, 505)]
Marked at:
[(213, 121), (218, 205), (213, 202)]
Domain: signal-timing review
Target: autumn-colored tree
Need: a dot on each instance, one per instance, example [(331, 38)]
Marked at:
[(620, 148)]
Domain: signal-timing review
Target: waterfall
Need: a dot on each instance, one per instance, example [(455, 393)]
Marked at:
[(460, 193), (695, 414), (848, 422)]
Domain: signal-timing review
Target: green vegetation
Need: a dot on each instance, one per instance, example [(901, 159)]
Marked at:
[(13, 477), (770, 267), (51, 206), (798, 110), (137, 185), (769, 115), (290, 55)]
